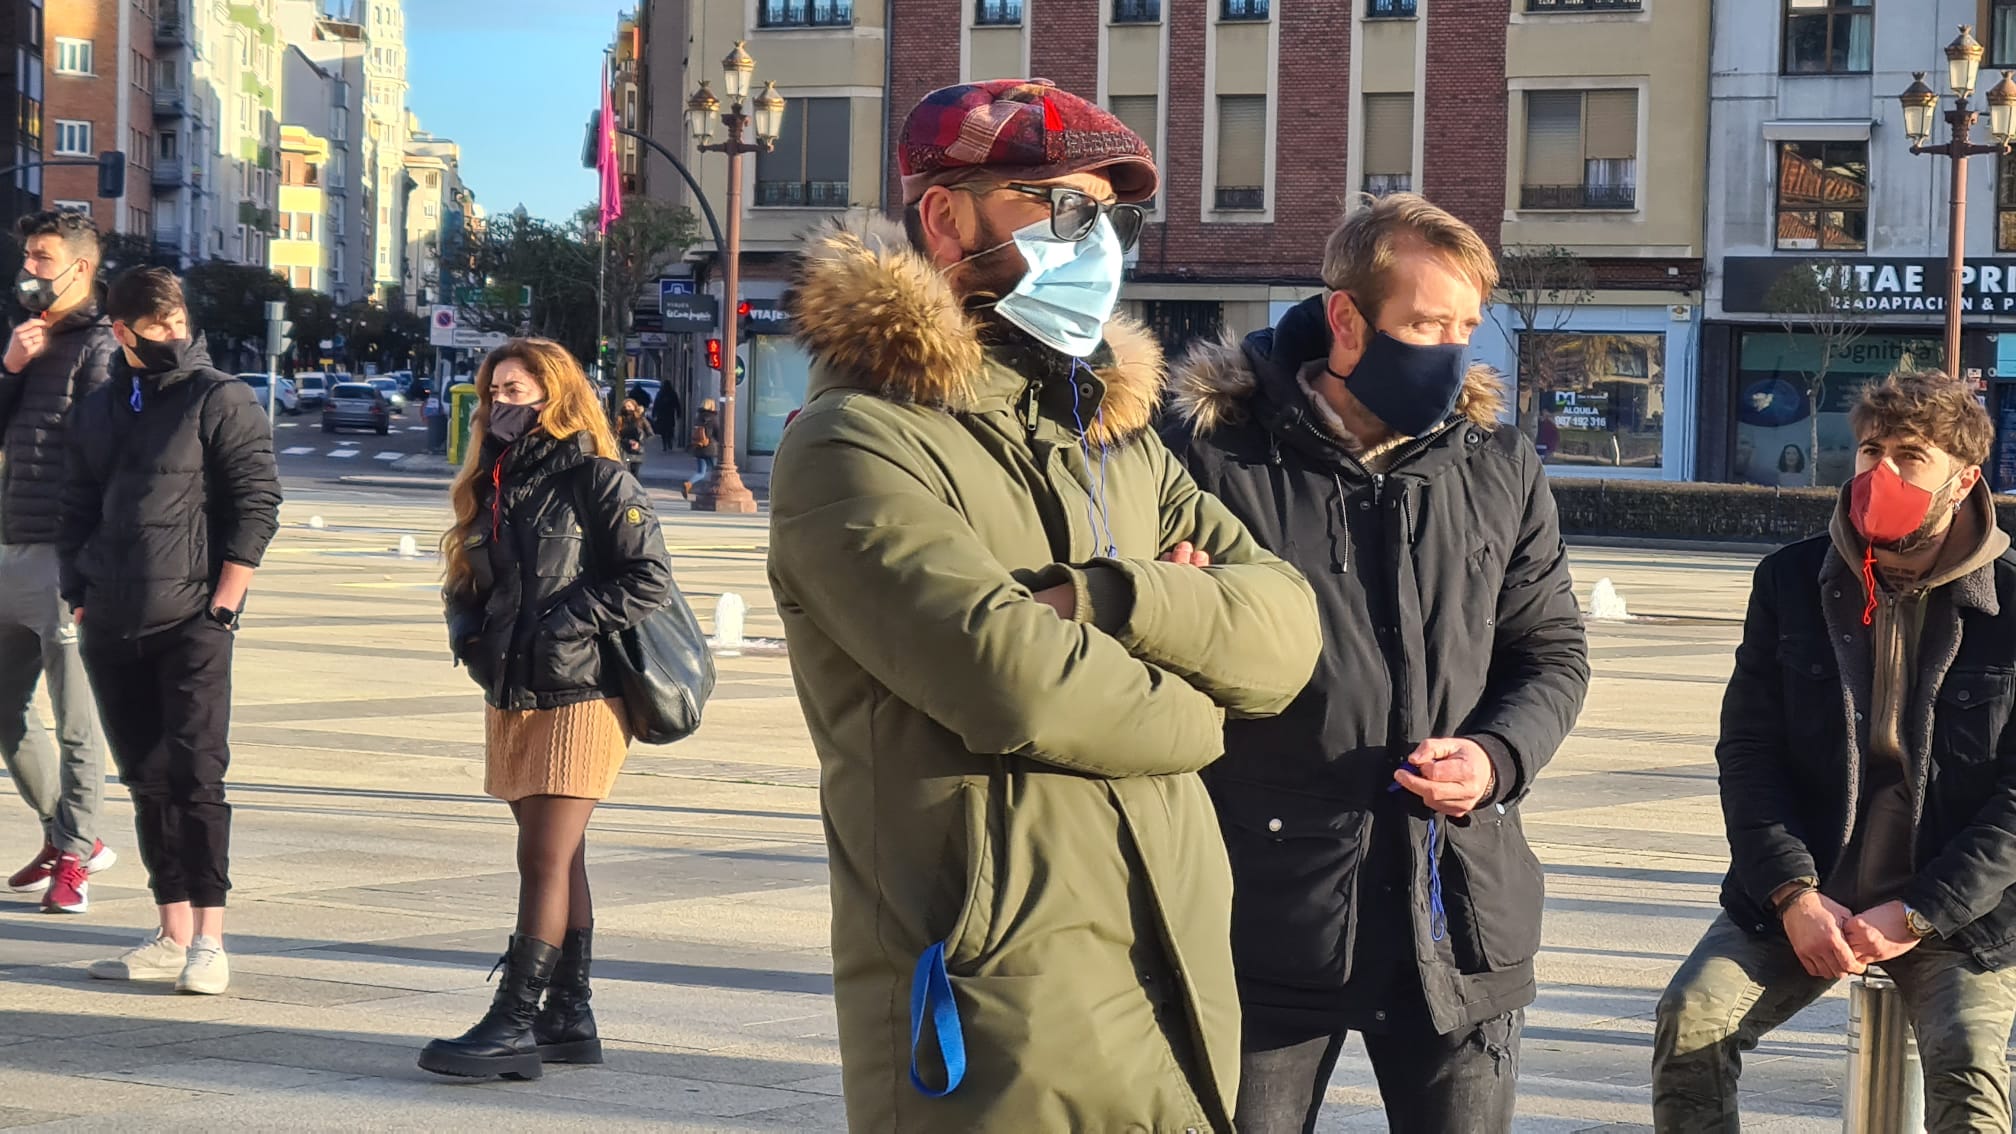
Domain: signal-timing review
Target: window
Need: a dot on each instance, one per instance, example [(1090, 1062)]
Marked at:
[(1242, 152), (1581, 150), (1827, 37), (1243, 10), (73, 138), (302, 278), (2002, 34), (1389, 9), (143, 73), (1585, 5), (805, 13), (1594, 400), (1177, 323), (809, 167), (1137, 11), (2005, 204), (73, 56), (1823, 195), (1389, 143), (72, 207), (997, 13), (170, 145), (1780, 439), (139, 145), (1141, 114)]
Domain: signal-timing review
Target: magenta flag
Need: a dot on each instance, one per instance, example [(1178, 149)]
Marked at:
[(605, 159)]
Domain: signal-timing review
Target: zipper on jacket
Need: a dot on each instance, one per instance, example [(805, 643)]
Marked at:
[(1031, 396)]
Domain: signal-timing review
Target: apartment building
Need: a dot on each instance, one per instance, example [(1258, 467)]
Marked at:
[(323, 93), (302, 242), (21, 107), (215, 107), (385, 126), (434, 196), (1810, 165), (98, 72)]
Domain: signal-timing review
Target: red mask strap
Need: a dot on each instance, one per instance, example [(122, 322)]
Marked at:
[(1869, 584)]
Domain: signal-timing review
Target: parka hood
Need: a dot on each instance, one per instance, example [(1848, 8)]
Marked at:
[(876, 315), (1214, 385)]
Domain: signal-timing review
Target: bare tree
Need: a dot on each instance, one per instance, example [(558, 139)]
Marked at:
[(1817, 299), (1541, 285)]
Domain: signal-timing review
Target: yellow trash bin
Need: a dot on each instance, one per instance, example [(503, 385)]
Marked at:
[(461, 420)]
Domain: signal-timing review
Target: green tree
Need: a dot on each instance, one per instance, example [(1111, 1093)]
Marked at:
[(647, 239), (313, 314), (1817, 300), (1541, 285), (227, 303)]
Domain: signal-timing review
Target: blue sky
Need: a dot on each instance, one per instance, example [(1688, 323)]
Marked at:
[(513, 81)]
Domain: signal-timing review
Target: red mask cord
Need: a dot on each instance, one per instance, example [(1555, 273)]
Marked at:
[(1869, 584)]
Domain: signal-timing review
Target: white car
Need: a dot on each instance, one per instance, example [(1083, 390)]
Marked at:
[(290, 398), (314, 387), (393, 388)]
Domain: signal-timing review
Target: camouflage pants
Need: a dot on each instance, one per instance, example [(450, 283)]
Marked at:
[(1736, 987)]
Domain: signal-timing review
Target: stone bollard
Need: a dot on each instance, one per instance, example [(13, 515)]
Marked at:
[(1885, 1081)]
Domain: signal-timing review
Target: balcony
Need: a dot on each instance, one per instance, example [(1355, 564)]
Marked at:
[(1578, 196), (802, 194), (1547, 6), (171, 27), (168, 238), (805, 14), (1389, 9), (170, 102), (170, 173), (1233, 11), (1137, 11), (1241, 198)]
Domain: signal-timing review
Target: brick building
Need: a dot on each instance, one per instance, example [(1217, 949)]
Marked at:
[(98, 63)]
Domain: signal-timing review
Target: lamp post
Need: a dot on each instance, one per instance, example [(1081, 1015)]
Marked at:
[(724, 490), (1963, 65)]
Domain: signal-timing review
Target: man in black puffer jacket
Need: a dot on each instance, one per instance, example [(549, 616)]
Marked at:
[(55, 356), (170, 498), (1381, 882)]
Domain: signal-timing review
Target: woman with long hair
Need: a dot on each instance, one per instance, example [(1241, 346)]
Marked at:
[(554, 546), (632, 430)]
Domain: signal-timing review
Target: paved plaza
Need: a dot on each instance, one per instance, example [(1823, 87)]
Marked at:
[(375, 882)]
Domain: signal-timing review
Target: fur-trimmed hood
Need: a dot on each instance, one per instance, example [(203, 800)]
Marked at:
[(875, 315), (1214, 385)]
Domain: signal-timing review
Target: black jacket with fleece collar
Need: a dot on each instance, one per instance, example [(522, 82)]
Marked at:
[(1447, 611)]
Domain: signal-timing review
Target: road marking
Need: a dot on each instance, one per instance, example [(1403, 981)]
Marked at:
[(388, 456), (297, 450), (342, 453), (416, 429), (290, 425)]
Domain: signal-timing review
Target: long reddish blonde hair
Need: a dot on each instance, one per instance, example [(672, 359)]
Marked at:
[(571, 409)]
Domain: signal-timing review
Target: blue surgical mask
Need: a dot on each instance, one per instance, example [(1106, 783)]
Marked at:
[(1070, 289), (1411, 388)]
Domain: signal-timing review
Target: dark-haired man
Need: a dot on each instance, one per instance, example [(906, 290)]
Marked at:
[(170, 499), (56, 355), (1868, 774)]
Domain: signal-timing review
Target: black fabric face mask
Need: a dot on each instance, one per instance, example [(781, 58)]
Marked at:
[(158, 356), (510, 422), (1411, 388), (35, 293)]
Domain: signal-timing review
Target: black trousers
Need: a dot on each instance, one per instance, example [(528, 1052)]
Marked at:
[(165, 700), (1461, 1083)]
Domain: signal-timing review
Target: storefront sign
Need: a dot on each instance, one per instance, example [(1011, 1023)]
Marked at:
[(1886, 286), (766, 317), (686, 313)]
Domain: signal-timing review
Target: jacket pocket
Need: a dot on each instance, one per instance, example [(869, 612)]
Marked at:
[(1296, 862), (1493, 890), (1973, 709), (558, 551), (966, 941)]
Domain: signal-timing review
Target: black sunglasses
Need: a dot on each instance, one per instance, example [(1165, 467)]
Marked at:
[(1074, 214)]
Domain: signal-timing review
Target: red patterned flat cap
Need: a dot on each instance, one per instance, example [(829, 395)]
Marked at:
[(1024, 128)]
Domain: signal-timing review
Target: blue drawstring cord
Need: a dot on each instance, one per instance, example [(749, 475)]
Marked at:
[(1096, 512), (134, 401), (1438, 916)]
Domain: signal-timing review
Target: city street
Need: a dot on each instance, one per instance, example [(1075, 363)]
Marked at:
[(375, 881)]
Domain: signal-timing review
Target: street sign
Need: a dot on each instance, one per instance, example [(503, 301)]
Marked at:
[(441, 326), (643, 319), (741, 369), (689, 313), (654, 338), (674, 285), (478, 295)]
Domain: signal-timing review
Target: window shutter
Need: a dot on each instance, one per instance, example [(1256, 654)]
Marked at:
[(1140, 113), (1613, 124), (1553, 138), (1242, 141), (828, 131), (1389, 133)]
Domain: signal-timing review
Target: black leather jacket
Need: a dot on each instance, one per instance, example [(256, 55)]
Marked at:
[(566, 549)]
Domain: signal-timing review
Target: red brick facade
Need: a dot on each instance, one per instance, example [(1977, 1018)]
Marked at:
[(119, 70), (923, 56)]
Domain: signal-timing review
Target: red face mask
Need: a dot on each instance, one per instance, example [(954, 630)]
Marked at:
[(1885, 507)]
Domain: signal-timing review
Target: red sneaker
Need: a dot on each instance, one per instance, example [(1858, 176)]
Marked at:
[(102, 858), (34, 877), (69, 889)]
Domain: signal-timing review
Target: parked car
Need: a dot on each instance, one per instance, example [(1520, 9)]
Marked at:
[(356, 405), (393, 388), (314, 388), (290, 398)]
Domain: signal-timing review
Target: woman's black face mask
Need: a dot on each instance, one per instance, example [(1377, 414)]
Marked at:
[(510, 422)]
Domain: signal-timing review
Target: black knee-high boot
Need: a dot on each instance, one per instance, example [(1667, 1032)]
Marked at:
[(502, 1043), (565, 1028)]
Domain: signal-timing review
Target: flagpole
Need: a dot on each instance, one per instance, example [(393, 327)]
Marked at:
[(602, 254)]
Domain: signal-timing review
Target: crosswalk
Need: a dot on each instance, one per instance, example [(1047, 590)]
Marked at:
[(341, 453), (305, 425)]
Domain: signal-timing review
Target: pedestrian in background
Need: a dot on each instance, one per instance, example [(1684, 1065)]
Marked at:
[(1868, 774), (632, 430), (665, 414), (1381, 880), (170, 496), (554, 547), (706, 444), (61, 352), (1015, 624)]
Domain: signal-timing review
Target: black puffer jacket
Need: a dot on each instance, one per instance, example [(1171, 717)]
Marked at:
[(158, 498), (566, 549), (34, 405), (1447, 611), (1791, 753)]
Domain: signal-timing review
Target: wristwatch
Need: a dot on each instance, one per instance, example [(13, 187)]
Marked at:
[(223, 616), (1919, 927)]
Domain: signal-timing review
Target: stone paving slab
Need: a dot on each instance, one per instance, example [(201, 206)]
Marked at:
[(375, 883)]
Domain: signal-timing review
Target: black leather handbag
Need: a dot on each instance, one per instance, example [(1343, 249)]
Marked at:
[(662, 663)]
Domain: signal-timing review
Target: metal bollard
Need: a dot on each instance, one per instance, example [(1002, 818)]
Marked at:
[(1886, 1083)]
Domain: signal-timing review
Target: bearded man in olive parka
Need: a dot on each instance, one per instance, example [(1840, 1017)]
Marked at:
[(1016, 626)]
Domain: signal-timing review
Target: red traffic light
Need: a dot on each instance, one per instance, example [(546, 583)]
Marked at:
[(714, 354)]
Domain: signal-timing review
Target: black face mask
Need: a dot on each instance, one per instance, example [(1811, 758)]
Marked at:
[(1411, 388), (37, 294), (508, 423), (158, 356)]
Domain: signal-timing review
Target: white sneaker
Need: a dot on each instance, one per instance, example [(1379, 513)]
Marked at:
[(208, 970), (156, 958)]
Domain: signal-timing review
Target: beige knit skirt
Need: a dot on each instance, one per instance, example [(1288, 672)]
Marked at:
[(575, 750)]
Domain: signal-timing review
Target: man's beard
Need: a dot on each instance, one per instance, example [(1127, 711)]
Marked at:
[(1938, 520), (991, 269)]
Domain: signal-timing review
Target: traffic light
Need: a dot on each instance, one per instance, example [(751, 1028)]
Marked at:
[(714, 354), (279, 328), (741, 322), (591, 148), (111, 175)]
